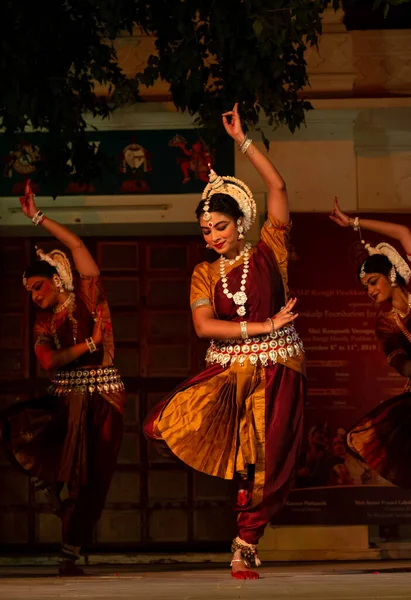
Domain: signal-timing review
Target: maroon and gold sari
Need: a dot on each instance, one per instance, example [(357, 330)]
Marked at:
[(72, 435), (246, 408), (382, 438)]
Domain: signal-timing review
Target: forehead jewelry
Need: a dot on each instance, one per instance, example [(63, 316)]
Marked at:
[(206, 207)]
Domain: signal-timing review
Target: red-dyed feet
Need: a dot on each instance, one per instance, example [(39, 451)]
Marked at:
[(68, 568), (240, 570), (243, 498), (248, 574)]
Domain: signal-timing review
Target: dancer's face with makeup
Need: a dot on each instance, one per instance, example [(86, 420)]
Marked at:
[(221, 233)]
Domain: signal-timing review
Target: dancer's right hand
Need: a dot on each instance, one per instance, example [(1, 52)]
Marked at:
[(286, 315)]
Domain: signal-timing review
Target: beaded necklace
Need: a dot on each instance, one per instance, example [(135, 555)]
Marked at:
[(240, 297), (398, 316), (231, 261), (70, 305)]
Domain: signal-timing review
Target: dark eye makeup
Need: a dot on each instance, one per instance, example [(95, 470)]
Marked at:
[(371, 281), (219, 227)]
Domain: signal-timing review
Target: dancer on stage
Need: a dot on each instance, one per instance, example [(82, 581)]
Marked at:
[(382, 438), (68, 440), (242, 416)]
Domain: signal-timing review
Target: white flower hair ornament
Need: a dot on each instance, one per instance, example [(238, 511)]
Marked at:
[(58, 260), (235, 188), (399, 265)]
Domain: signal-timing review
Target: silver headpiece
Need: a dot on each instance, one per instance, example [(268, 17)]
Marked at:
[(235, 188), (399, 265), (58, 260)]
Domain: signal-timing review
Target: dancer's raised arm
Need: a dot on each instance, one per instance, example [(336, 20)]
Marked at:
[(393, 230), (84, 262), (277, 192)]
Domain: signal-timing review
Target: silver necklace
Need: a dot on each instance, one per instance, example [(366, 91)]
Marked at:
[(233, 260), (240, 297), (65, 304), (395, 311)]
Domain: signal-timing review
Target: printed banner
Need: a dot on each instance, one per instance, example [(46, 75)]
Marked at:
[(347, 376)]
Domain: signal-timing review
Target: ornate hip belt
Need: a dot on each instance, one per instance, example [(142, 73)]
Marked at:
[(283, 344), (100, 379)]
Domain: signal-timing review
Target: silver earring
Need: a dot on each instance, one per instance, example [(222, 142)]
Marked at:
[(208, 246), (240, 229), (393, 277), (58, 283)]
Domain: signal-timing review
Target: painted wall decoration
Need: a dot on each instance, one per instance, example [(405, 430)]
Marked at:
[(142, 162)]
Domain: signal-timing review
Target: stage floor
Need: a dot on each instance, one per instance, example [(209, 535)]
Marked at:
[(390, 580)]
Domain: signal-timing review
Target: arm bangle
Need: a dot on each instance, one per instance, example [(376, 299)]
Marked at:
[(272, 325), (240, 146), (245, 146), (354, 223), (243, 328), (91, 345), (38, 218)]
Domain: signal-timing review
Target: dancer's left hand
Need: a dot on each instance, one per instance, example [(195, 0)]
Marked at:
[(338, 216), (286, 315), (98, 328), (28, 205)]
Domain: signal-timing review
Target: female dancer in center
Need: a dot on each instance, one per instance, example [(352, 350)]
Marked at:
[(242, 416)]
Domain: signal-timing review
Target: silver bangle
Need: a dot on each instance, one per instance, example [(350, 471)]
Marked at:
[(243, 328), (91, 345), (240, 146), (272, 325), (354, 223), (245, 146), (38, 218)]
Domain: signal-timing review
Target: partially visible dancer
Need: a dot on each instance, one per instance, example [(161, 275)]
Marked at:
[(241, 418), (68, 440), (382, 437)]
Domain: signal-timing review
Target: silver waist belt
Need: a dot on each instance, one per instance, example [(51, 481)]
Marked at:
[(266, 349), (100, 379)]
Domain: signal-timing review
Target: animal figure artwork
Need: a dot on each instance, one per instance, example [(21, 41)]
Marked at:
[(195, 160)]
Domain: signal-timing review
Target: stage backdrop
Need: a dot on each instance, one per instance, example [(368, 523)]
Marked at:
[(347, 376)]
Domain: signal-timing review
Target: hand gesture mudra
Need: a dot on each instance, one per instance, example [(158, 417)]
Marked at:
[(338, 216), (28, 205), (286, 315), (98, 328), (234, 127)]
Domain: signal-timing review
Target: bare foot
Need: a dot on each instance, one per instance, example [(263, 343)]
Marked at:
[(240, 568), (68, 568)]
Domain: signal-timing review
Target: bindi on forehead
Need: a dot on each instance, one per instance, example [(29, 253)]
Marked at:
[(371, 277), (210, 224), (37, 283), (30, 288)]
